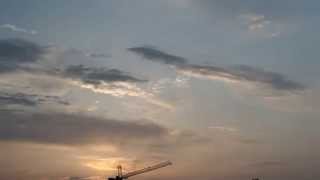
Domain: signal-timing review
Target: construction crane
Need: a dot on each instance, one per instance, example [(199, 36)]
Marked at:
[(121, 176)]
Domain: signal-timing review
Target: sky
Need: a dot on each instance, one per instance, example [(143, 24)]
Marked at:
[(224, 89)]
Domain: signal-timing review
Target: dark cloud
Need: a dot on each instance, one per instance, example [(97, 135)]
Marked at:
[(153, 54), (276, 81), (95, 76), (28, 99), (74, 129), (246, 73), (16, 99), (14, 52), (19, 50)]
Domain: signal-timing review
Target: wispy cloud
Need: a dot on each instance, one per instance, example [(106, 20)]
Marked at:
[(7, 99), (96, 76), (229, 74), (258, 23), (112, 82), (15, 28), (118, 89), (180, 82), (124, 89), (243, 73), (156, 55)]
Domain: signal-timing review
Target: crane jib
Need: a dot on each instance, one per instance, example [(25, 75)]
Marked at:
[(144, 170), (151, 168)]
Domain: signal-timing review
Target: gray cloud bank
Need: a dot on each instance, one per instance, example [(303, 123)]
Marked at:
[(73, 129), (238, 73)]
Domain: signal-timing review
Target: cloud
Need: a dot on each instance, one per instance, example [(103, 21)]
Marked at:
[(243, 73), (151, 53), (121, 89), (16, 52), (118, 89), (260, 24), (164, 83), (7, 99), (96, 76), (239, 73), (14, 28), (74, 129), (256, 22), (17, 99), (30, 58), (112, 82)]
